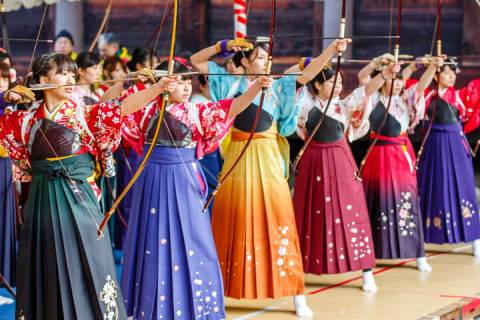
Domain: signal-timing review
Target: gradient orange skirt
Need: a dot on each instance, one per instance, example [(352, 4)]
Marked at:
[(253, 222)]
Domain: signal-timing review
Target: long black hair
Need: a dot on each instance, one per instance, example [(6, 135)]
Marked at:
[(179, 66), (110, 65), (237, 58), (452, 64), (140, 56), (87, 59), (323, 76)]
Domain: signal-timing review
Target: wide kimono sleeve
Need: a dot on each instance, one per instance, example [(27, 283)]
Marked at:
[(416, 105), (214, 125), (11, 139), (290, 102), (105, 122), (220, 81), (358, 107), (470, 97), (132, 136)]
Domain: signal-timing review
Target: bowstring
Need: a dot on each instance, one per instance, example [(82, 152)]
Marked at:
[(37, 39)]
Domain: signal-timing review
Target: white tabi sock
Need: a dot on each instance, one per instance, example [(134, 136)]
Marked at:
[(5, 300), (423, 265), (476, 248), (369, 284), (301, 308)]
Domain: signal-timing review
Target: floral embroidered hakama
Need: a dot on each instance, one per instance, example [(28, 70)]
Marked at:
[(330, 208), (445, 176), (253, 219), (171, 269), (390, 180)]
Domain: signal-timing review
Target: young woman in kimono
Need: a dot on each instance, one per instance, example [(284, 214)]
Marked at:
[(113, 68), (389, 176), (445, 175), (66, 272), (253, 219), (171, 269), (330, 209), (89, 71)]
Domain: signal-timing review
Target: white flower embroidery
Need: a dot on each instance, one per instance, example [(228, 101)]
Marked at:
[(405, 222), (108, 296)]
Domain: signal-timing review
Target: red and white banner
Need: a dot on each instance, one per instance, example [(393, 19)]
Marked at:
[(240, 18)]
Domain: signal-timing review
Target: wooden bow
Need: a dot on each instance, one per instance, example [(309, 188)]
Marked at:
[(268, 68), (389, 103), (102, 25)]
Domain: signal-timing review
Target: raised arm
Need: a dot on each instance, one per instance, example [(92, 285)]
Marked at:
[(140, 99), (200, 59), (242, 102), (428, 75), (113, 92), (364, 74), (317, 64), (377, 82), (144, 75), (293, 69), (377, 63)]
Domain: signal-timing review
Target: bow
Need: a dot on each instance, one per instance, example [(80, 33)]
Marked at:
[(268, 68), (389, 103), (335, 77), (434, 111), (157, 129), (102, 25), (438, 32)]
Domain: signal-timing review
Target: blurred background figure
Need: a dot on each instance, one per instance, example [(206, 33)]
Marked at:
[(109, 46), (64, 44), (142, 58)]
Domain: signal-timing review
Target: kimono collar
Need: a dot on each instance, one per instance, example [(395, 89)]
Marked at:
[(44, 113), (323, 102)]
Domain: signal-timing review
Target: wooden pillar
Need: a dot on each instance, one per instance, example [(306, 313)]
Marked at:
[(318, 8), (192, 24), (69, 16)]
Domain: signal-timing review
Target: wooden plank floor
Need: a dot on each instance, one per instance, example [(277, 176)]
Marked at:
[(404, 293)]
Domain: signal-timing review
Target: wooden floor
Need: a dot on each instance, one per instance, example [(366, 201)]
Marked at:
[(404, 293)]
